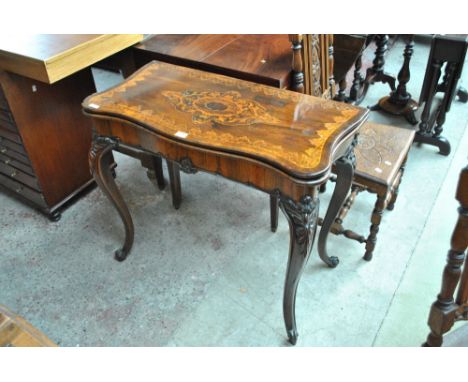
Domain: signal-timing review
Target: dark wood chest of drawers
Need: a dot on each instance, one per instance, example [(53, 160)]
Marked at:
[(44, 139)]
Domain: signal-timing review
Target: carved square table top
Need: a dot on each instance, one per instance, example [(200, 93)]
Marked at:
[(293, 132), (381, 152)]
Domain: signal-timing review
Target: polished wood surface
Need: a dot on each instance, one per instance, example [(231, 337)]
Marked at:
[(45, 138), (17, 332), (52, 57), (380, 153), (264, 59), (280, 142), (292, 132)]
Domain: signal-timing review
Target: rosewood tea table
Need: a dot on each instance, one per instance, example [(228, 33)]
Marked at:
[(277, 141)]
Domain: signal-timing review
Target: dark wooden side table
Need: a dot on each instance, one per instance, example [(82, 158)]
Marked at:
[(446, 310), (277, 141), (451, 51)]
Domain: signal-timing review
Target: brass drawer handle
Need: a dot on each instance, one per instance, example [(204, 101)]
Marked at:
[(13, 174)]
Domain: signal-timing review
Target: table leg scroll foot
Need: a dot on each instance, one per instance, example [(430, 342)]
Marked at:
[(440, 142), (292, 337), (120, 255), (100, 159), (302, 217)]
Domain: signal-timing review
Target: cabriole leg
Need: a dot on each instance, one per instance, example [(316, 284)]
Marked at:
[(344, 179), (100, 160), (302, 218)]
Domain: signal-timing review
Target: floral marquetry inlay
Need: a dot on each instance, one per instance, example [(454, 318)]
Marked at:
[(228, 108), (292, 131)]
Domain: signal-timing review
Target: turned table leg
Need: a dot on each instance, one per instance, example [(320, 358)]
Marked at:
[(444, 144), (374, 228), (154, 170), (396, 190), (376, 72), (355, 95), (100, 160), (274, 206), (344, 178), (444, 310), (399, 102), (302, 218), (426, 133), (174, 180)]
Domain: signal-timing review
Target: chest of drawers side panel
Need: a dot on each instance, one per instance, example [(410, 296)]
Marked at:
[(55, 134)]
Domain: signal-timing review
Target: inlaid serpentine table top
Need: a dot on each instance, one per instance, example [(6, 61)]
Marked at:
[(293, 132)]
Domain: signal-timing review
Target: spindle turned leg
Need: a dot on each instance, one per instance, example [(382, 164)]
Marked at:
[(374, 228), (100, 160), (174, 180), (396, 190), (399, 102), (344, 178), (355, 94), (376, 72), (274, 207), (427, 134), (444, 145), (302, 218), (154, 170), (445, 310), (341, 95)]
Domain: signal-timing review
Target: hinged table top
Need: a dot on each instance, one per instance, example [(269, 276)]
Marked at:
[(294, 132)]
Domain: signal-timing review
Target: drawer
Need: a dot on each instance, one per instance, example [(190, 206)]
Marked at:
[(20, 176), (4, 150), (12, 161), (6, 121), (3, 101), (6, 143), (12, 136), (20, 189)]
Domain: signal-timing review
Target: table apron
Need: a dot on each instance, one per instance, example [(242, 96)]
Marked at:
[(242, 169)]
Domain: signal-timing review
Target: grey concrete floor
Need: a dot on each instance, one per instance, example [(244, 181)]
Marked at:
[(211, 273)]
